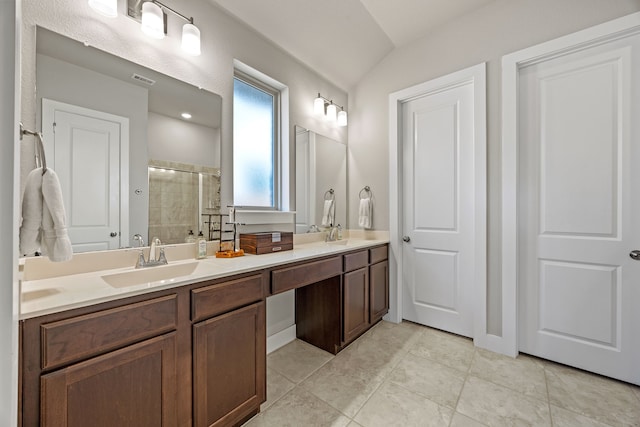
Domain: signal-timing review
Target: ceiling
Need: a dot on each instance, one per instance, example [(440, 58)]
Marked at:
[(343, 39)]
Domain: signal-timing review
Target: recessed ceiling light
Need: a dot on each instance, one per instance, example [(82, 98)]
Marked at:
[(186, 115)]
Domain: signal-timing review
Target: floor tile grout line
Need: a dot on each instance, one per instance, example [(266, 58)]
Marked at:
[(464, 383), (402, 355), (383, 380), (546, 384)]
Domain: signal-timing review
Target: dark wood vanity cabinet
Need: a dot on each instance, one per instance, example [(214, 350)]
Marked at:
[(379, 283), (195, 355), (355, 295), (333, 312), (229, 355), (135, 385)]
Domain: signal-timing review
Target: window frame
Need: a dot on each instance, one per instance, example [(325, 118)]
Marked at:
[(276, 93)]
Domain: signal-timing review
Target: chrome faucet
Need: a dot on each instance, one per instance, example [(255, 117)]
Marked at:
[(154, 259), (138, 237), (332, 234)]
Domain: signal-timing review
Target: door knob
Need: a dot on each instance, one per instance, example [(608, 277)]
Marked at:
[(635, 255), (113, 234), (408, 239)]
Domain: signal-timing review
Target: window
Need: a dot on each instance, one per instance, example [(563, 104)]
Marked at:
[(256, 143)]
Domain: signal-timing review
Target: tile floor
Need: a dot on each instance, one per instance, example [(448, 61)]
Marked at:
[(409, 375)]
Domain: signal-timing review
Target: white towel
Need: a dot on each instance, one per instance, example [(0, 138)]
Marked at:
[(32, 202), (327, 213), (44, 224), (365, 212)]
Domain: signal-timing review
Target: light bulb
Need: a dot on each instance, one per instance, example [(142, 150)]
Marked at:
[(152, 20), (107, 8), (318, 106), (191, 39), (342, 118), (331, 112)]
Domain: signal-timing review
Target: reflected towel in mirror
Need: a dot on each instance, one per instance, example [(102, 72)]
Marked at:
[(44, 224), (328, 213)]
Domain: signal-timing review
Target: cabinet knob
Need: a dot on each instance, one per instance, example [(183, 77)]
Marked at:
[(406, 238), (113, 234)]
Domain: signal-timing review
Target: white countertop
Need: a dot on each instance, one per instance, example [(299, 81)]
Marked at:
[(55, 294)]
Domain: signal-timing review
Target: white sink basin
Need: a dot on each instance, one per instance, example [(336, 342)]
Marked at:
[(343, 242), (163, 273)]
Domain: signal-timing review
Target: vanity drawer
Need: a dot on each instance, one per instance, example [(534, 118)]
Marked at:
[(378, 254), (81, 337), (212, 300), (311, 272), (356, 260)]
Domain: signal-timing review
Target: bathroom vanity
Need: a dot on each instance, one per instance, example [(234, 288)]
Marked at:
[(191, 350)]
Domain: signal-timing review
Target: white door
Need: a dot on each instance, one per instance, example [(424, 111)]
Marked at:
[(579, 209), (84, 147), (439, 196)]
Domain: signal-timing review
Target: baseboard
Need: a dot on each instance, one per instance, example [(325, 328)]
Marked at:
[(280, 339)]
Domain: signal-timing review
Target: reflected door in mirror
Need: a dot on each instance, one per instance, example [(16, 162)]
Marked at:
[(84, 147)]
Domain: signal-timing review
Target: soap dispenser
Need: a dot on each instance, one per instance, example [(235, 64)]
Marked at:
[(191, 238), (339, 232), (201, 246)]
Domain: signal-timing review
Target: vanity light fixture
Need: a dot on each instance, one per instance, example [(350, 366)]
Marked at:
[(318, 105), (153, 25), (151, 14), (152, 20), (324, 106), (342, 117), (107, 8), (332, 112)]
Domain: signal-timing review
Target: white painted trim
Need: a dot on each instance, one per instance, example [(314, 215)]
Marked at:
[(476, 75), (280, 339), (511, 64), (10, 53)]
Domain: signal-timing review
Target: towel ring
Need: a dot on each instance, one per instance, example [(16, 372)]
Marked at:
[(329, 194), (367, 192)]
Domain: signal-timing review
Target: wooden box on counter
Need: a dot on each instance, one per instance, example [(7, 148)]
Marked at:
[(266, 242)]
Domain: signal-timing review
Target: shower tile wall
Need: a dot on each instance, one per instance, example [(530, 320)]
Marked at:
[(173, 204)]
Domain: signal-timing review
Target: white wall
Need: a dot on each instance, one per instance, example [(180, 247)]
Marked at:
[(177, 140), (9, 94), (500, 27)]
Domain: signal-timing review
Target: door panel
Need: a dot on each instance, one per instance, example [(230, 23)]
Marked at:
[(85, 148), (438, 182), (578, 194)]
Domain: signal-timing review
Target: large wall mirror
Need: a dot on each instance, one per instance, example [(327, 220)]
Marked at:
[(321, 182), (136, 151)]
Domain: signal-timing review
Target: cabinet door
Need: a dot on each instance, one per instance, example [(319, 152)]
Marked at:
[(356, 303), (379, 288), (134, 386), (229, 366)]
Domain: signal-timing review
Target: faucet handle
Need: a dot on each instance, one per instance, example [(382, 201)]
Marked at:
[(141, 262), (162, 259), (138, 237)]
